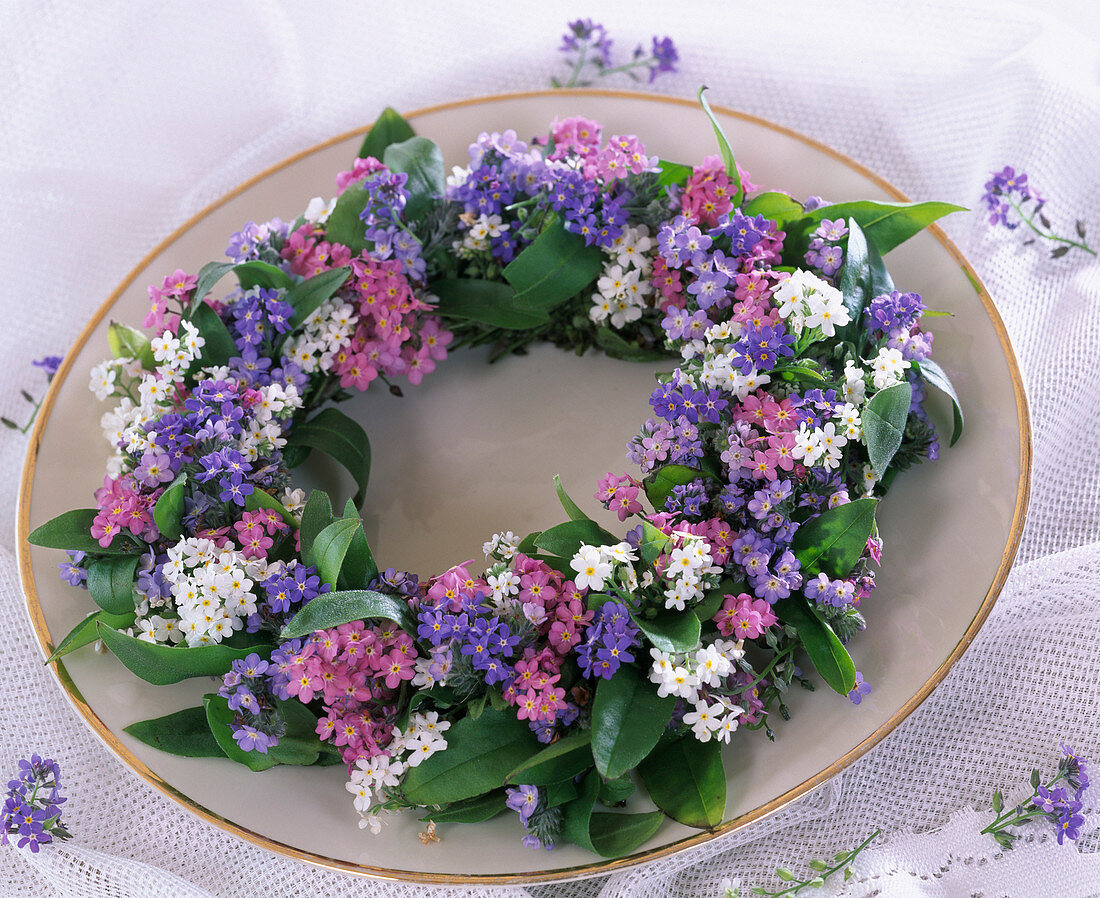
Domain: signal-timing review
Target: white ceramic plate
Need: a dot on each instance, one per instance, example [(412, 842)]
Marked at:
[(474, 450)]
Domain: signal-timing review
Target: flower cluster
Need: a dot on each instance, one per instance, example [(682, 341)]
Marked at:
[(825, 253), (375, 774), (203, 594), (703, 681), (32, 808)]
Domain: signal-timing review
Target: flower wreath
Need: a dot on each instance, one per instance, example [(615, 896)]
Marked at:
[(577, 657)]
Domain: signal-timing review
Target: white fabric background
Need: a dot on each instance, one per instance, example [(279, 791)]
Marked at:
[(118, 121)]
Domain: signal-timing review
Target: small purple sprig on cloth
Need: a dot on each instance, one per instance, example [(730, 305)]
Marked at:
[(1051, 801), (49, 364), (1008, 196), (588, 50), (32, 811)]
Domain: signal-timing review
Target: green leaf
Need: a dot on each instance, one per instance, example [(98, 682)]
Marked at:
[(998, 802), (886, 225), (111, 583), (480, 754), (671, 631), (472, 810), (422, 161), (486, 302), (653, 543), (937, 377), (219, 347), (316, 516), (564, 540), (616, 791), (781, 208), (628, 717), (330, 547), (390, 127), (553, 268), (884, 424), (185, 733), (72, 530), (255, 273), (559, 793), (162, 664), (834, 541), (129, 343), (259, 499), (168, 512), (331, 609), (208, 276), (855, 280), (608, 835), (672, 173), (344, 225), (298, 746), (571, 507), (560, 760), (342, 438), (686, 780), (359, 567), (85, 632), (725, 150), (659, 484), (826, 652), (615, 835), (617, 348), (305, 298)]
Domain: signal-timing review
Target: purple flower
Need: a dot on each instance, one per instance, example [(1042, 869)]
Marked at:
[(665, 56), (1003, 186), (251, 739), (861, 689), (49, 364), (234, 488), (71, 571), (589, 36), (523, 800), (831, 230)]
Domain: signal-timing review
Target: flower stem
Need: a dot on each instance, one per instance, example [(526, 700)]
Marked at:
[(1048, 235)]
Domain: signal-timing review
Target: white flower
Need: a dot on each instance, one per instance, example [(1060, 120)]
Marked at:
[(103, 378), (827, 310), (504, 584), (591, 569), (622, 552), (854, 389), (613, 283), (318, 210), (680, 682), (704, 720), (711, 666), (887, 368)]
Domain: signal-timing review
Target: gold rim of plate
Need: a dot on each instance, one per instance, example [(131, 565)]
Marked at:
[(604, 866)]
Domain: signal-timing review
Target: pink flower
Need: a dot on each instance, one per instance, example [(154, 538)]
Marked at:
[(396, 667)]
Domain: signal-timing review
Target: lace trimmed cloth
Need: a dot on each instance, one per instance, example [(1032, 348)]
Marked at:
[(121, 121)]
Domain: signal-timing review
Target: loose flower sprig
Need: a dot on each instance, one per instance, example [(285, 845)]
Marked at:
[(32, 810), (821, 871), (1007, 192), (588, 51), (1049, 801), (49, 364)]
